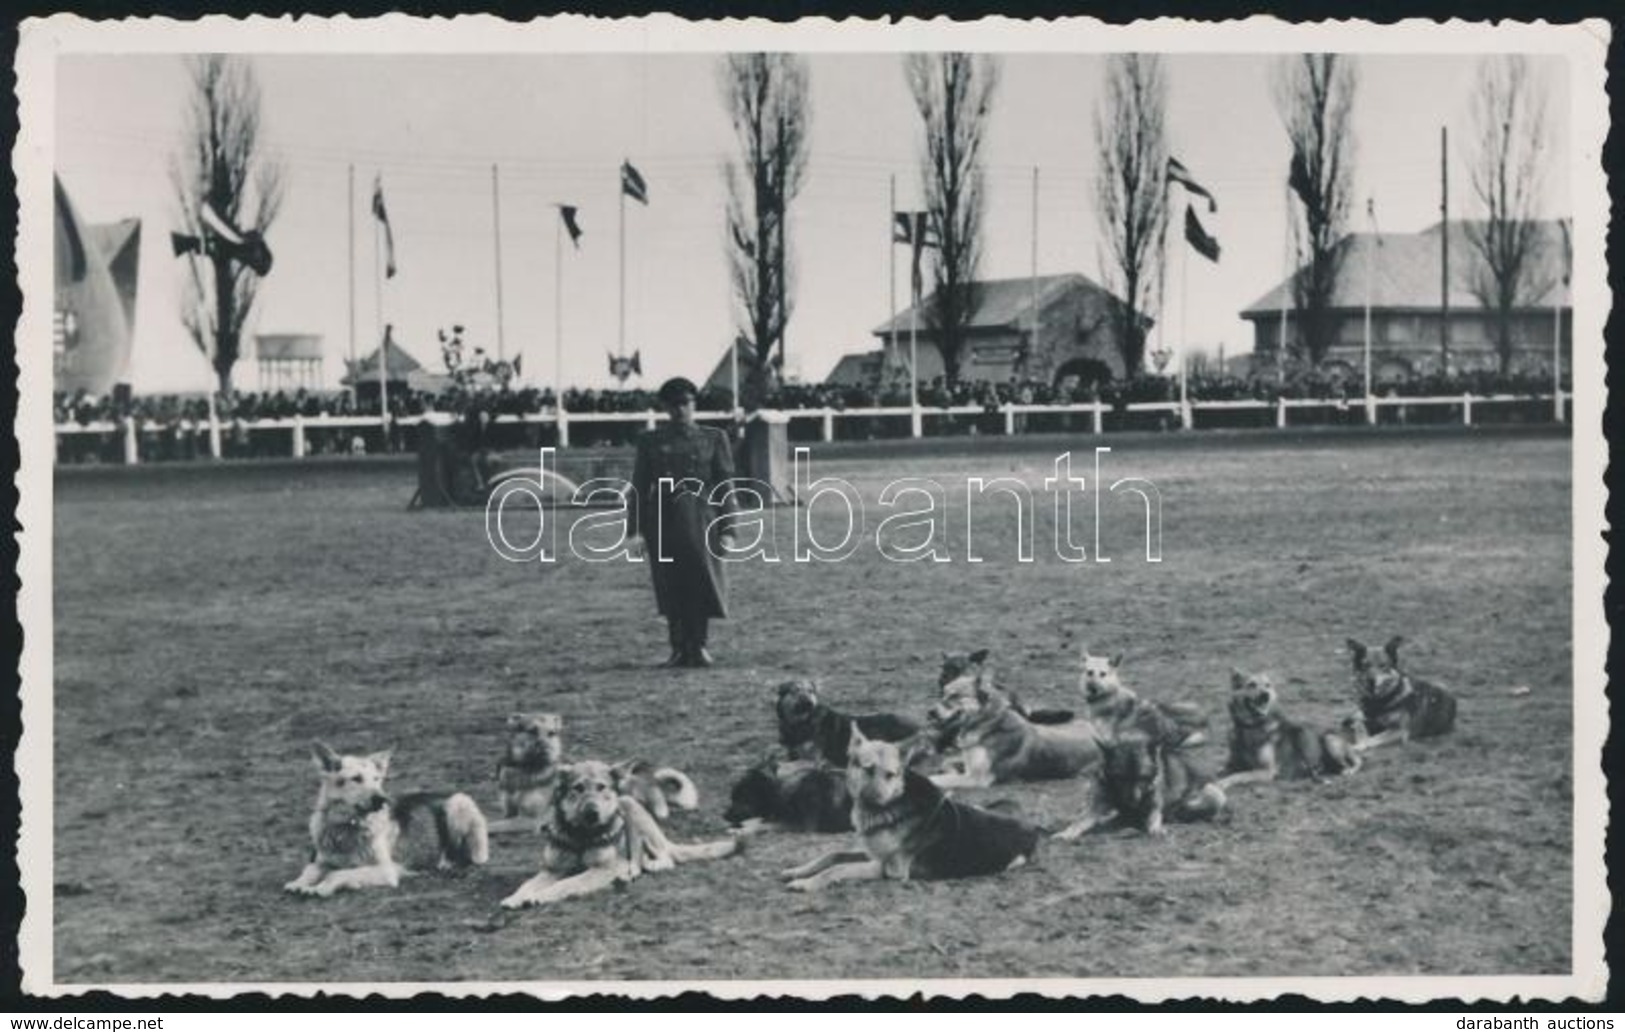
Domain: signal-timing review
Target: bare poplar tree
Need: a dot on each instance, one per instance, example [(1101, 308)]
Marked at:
[(223, 163), (1506, 165), (1314, 95), (1131, 145), (768, 103), (954, 95)]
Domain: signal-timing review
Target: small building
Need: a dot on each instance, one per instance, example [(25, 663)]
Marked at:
[(1406, 313), (1076, 334), (288, 361), (401, 371)]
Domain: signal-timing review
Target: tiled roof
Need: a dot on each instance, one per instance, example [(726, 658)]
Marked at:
[(1405, 271), (1001, 302)]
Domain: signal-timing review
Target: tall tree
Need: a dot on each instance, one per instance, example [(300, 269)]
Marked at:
[(223, 164), (1506, 163), (954, 95), (1131, 146), (1314, 95), (768, 103)]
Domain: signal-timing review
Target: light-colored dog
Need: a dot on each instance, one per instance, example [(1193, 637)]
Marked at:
[(356, 829), (528, 772), (996, 745), (1117, 709), (598, 836)]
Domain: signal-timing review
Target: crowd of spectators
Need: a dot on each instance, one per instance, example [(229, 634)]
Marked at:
[(173, 426)]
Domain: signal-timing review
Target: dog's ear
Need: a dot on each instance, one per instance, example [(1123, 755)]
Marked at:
[(621, 773), (979, 656), (914, 749), (1238, 680), (326, 759), (1358, 651), (1083, 651), (1116, 660), (381, 761), (785, 688), (856, 739), (1392, 648), (516, 721)]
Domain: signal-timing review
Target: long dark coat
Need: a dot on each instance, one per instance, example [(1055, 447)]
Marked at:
[(675, 523)]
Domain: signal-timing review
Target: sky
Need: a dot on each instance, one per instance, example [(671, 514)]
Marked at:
[(556, 128)]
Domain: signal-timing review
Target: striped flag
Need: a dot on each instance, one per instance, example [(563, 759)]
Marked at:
[(567, 212), (382, 215), (1178, 173), (632, 184)]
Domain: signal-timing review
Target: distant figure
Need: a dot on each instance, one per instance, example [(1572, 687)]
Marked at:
[(677, 523)]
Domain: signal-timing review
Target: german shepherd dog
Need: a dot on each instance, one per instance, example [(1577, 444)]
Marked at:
[(1395, 706), (957, 664), (811, 730), (995, 744), (356, 829), (1144, 782), (528, 772), (797, 796), (1117, 709), (1265, 745), (909, 828), (598, 837)]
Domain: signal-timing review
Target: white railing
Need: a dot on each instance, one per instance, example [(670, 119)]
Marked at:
[(130, 429)]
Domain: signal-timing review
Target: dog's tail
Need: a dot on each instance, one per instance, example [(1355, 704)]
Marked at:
[(459, 825), (685, 853), (680, 791)]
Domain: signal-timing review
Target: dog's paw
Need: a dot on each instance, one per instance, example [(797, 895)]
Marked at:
[(803, 885), (323, 889), (517, 901), (297, 888)]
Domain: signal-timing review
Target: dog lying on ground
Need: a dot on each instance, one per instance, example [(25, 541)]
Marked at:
[(1117, 709), (996, 745), (1266, 745), (357, 831), (810, 730), (1396, 706), (796, 796), (909, 828), (597, 837), (956, 665), (1143, 783), (528, 772)]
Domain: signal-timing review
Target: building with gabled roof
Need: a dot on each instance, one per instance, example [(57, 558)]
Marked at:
[(1406, 311), (1075, 335)]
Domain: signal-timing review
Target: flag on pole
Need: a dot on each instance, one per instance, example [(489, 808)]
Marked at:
[(382, 215), (914, 229), (567, 212), (1298, 177), (1178, 173), (632, 184), (621, 366), (1199, 237)]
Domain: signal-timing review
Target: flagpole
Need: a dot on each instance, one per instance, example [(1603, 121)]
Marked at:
[(558, 310), (383, 335), (1184, 329), (353, 367), (1032, 340), (1162, 280), (891, 283), (496, 226), (622, 345), (916, 228), (1289, 287), (1370, 255)]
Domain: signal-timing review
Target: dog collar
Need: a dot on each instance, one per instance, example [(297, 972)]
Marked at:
[(577, 844)]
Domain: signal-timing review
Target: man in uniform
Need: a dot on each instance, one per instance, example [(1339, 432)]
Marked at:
[(676, 521)]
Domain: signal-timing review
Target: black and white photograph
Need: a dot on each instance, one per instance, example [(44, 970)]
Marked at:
[(631, 506)]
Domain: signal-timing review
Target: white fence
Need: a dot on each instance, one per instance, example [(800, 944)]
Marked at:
[(130, 429)]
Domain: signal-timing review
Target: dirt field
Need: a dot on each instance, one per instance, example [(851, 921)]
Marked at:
[(210, 624)]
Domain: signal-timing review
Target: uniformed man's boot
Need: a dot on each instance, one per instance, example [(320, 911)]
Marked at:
[(679, 644), (697, 654)]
